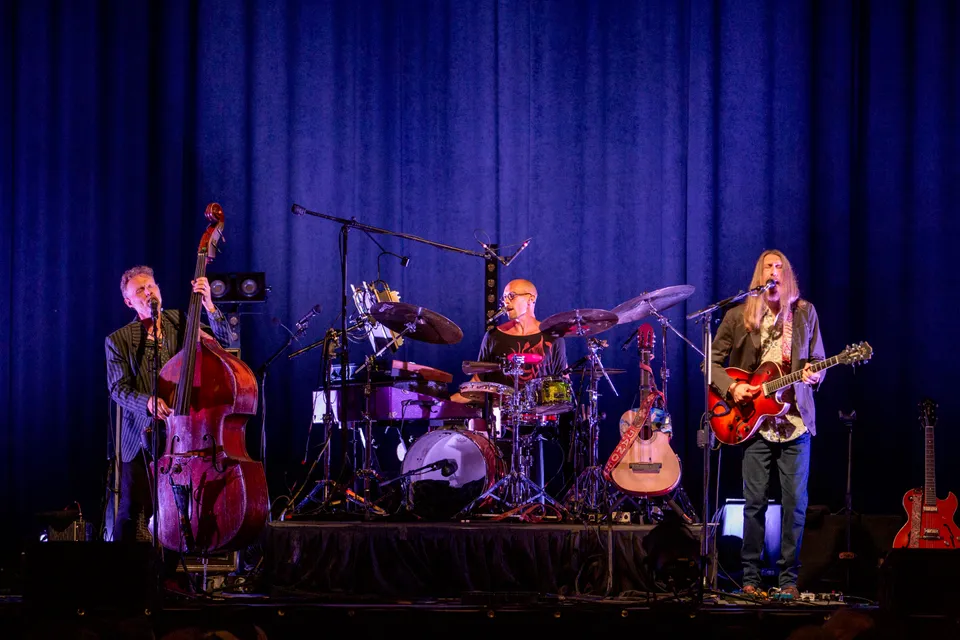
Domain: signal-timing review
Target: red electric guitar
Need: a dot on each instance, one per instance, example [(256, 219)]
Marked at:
[(930, 522), (735, 423), (644, 463)]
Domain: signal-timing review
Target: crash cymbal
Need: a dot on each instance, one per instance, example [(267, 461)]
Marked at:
[(578, 323), (471, 367), (430, 326), (643, 305)]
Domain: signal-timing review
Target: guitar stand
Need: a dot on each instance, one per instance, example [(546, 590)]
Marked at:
[(848, 555)]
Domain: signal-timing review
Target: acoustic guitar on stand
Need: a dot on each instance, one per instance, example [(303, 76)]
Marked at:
[(644, 462), (930, 522), (736, 423)]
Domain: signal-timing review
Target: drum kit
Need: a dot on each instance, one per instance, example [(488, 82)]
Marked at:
[(464, 472)]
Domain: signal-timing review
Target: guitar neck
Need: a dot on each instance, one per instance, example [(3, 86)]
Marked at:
[(929, 480), (793, 378)]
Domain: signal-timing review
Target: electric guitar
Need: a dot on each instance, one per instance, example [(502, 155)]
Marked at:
[(736, 423), (930, 522), (644, 463)]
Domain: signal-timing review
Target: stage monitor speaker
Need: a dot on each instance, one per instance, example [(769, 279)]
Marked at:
[(920, 581), (79, 579)]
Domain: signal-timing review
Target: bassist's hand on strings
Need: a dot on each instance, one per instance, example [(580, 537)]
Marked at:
[(741, 391), (162, 413)]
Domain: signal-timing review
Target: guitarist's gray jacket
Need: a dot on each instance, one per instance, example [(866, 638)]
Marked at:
[(743, 350)]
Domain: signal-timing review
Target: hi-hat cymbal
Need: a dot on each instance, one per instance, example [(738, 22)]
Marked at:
[(471, 367), (643, 305), (578, 323), (429, 326)]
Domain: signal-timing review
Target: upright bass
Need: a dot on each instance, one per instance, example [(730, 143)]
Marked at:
[(212, 496)]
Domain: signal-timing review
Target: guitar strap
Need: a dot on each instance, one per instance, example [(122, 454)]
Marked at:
[(631, 433), (786, 342)]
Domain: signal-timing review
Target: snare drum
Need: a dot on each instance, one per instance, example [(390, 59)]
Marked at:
[(550, 395), (466, 465), (479, 391)]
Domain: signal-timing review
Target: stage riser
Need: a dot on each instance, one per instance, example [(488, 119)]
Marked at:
[(448, 561)]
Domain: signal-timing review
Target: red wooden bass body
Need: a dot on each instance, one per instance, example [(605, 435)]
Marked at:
[(212, 496)]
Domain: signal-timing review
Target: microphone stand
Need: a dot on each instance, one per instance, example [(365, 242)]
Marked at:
[(262, 375), (157, 318), (705, 435)]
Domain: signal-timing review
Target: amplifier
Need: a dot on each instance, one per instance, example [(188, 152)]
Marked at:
[(64, 526)]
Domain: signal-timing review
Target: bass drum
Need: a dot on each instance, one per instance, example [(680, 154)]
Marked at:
[(466, 464)]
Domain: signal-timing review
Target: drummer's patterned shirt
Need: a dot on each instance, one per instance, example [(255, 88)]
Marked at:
[(496, 345)]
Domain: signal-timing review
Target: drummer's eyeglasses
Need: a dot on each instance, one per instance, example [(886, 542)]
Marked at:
[(510, 297)]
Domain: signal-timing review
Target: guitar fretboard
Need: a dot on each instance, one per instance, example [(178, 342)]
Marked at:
[(930, 480), (793, 378)]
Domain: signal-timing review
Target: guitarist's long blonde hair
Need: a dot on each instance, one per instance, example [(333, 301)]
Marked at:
[(789, 290)]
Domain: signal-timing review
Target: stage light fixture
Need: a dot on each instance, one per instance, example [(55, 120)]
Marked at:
[(248, 286)]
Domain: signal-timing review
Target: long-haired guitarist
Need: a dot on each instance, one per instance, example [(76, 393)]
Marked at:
[(776, 326)]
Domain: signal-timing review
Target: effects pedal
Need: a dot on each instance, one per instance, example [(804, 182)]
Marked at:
[(830, 597)]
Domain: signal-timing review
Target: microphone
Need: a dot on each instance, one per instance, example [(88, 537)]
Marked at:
[(489, 250), (448, 467), (305, 320), (298, 210), (502, 311), (771, 283), (154, 307), (513, 257)]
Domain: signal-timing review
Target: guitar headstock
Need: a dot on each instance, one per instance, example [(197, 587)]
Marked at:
[(858, 353), (645, 337), (928, 412)]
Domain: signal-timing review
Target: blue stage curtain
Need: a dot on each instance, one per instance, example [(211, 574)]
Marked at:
[(639, 144)]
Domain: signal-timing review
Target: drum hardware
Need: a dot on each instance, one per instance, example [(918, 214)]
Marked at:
[(435, 327), (516, 490), (418, 323), (591, 493)]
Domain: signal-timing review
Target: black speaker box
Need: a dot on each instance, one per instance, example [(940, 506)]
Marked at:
[(920, 581), (88, 577)]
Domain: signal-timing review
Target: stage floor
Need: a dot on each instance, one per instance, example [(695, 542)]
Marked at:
[(471, 579)]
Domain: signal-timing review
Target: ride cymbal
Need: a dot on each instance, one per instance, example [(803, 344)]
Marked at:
[(578, 323), (660, 299), (429, 326)]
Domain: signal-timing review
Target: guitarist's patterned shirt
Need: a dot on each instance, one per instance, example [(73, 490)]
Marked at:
[(790, 426)]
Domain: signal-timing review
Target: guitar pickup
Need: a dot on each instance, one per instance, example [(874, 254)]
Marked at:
[(646, 467)]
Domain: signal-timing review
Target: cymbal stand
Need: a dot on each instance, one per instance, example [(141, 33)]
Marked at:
[(514, 486), (368, 473), (591, 493)]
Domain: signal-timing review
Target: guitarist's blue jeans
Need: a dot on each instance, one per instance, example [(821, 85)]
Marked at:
[(792, 460)]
